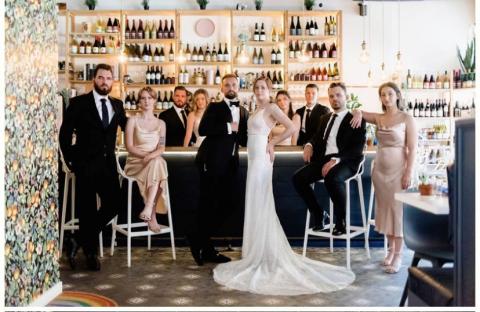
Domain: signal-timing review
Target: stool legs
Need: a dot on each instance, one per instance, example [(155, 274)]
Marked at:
[(66, 186), (305, 237), (362, 208), (170, 223)]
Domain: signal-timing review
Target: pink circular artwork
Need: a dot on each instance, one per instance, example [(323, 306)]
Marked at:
[(204, 27)]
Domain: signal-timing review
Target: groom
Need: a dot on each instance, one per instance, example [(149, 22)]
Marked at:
[(333, 154), (225, 126)]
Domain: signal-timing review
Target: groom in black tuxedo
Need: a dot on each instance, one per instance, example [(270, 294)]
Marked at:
[(93, 119), (333, 154), (225, 126)]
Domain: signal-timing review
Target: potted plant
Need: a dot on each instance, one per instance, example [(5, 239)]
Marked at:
[(424, 187), (146, 4), (353, 103), (468, 62), (202, 4), (258, 4), (309, 4), (91, 4), (370, 135)]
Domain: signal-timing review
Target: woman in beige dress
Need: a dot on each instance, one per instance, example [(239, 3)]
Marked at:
[(145, 142), (394, 164), (200, 103), (284, 102)]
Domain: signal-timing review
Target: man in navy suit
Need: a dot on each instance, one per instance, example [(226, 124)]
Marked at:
[(93, 119)]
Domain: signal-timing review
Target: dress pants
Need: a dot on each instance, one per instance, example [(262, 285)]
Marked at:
[(334, 183), (103, 180)]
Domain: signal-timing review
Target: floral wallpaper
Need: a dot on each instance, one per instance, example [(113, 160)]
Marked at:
[(31, 228)]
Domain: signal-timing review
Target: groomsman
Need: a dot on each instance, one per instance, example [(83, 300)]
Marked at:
[(176, 118), (309, 115), (93, 119), (225, 126), (333, 154)]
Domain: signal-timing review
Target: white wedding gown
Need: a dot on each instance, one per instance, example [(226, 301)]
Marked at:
[(269, 266)]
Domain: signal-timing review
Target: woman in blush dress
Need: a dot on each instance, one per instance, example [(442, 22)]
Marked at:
[(200, 102), (394, 164), (269, 266), (145, 142), (284, 102)]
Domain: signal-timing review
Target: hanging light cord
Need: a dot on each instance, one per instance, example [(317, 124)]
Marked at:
[(399, 28)]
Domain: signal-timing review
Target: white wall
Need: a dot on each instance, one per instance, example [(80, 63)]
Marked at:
[(430, 32)]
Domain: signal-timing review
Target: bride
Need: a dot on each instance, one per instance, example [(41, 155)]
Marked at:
[(268, 265)]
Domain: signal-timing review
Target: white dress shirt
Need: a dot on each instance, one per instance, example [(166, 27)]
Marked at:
[(179, 113), (332, 147), (235, 114), (304, 118), (98, 104)]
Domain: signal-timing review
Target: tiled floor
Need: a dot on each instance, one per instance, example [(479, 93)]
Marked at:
[(156, 280)]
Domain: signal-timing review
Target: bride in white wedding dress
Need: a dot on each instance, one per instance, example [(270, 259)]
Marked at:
[(269, 266)]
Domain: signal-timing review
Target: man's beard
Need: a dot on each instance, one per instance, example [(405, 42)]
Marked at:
[(231, 95), (101, 91)]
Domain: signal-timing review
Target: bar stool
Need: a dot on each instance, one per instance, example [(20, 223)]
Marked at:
[(72, 224), (352, 231), (370, 209), (126, 229)]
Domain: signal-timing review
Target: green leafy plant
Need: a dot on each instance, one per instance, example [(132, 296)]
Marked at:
[(91, 4), (467, 62), (258, 4), (309, 4), (202, 4), (353, 103), (423, 178), (146, 4)]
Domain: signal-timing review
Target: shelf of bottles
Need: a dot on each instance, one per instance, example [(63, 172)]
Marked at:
[(92, 39), (313, 50), (149, 50)]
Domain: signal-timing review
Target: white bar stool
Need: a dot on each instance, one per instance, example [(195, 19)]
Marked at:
[(352, 231), (126, 229), (370, 209), (72, 224)]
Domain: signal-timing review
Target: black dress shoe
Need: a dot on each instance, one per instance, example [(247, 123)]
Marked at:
[(216, 258), (72, 249), (339, 229), (196, 255), (93, 263)]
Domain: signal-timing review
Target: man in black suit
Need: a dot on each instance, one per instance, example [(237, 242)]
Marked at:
[(225, 126), (176, 118), (310, 114), (93, 119), (333, 154)]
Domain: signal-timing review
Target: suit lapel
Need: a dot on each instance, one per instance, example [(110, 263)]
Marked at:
[(341, 130), (93, 110)]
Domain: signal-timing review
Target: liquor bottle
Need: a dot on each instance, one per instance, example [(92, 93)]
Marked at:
[(298, 28), (292, 28), (208, 55), (255, 56), (171, 33), (133, 32), (226, 54), (160, 30), (256, 34), (162, 54), (291, 50), (261, 59), (103, 47), (214, 54), (326, 27), (109, 25), (279, 56), (426, 84), (116, 26), (218, 78), (200, 56), (333, 51), (140, 33), (220, 53), (273, 57), (446, 81), (263, 36), (409, 80), (432, 82)]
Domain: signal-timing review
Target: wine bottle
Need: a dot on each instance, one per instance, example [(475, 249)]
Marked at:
[(159, 100), (279, 56), (128, 102), (214, 54), (323, 51), (316, 50), (96, 47), (426, 84), (171, 56), (291, 50), (415, 109), (409, 80), (103, 47), (220, 53), (446, 81), (208, 55), (162, 54), (263, 36), (140, 33), (127, 31), (256, 34), (165, 29), (116, 26), (273, 57), (293, 32), (275, 81), (171, 33), (160, 30), (333, 51), (297, 50), (226, 54), (298, 28), (255, 56), (326, 27), (261, 59), (432, 82), (133, 32), (218, 78), (274, 35), (311, 29), (194, 54), (158, 76), (109, 25)]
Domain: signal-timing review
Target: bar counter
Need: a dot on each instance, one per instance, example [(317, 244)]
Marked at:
[(184, 192)]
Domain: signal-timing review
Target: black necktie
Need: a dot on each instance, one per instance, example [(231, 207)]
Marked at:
[(236, 103), (105, 119), (184, 117), (329, 128), (307, 120)]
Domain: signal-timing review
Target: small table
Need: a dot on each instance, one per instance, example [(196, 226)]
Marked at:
[(435, 204)]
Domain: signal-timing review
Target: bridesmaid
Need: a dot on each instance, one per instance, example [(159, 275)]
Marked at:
[(284, 102), (145, 142), (200, 103), (394, 164)]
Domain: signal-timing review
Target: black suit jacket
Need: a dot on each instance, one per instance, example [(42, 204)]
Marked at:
[(94, 146), (175, 131), (215, 153), (318, 111), (350, 142)]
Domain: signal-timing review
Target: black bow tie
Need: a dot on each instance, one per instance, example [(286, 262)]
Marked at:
[(235, 103)]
